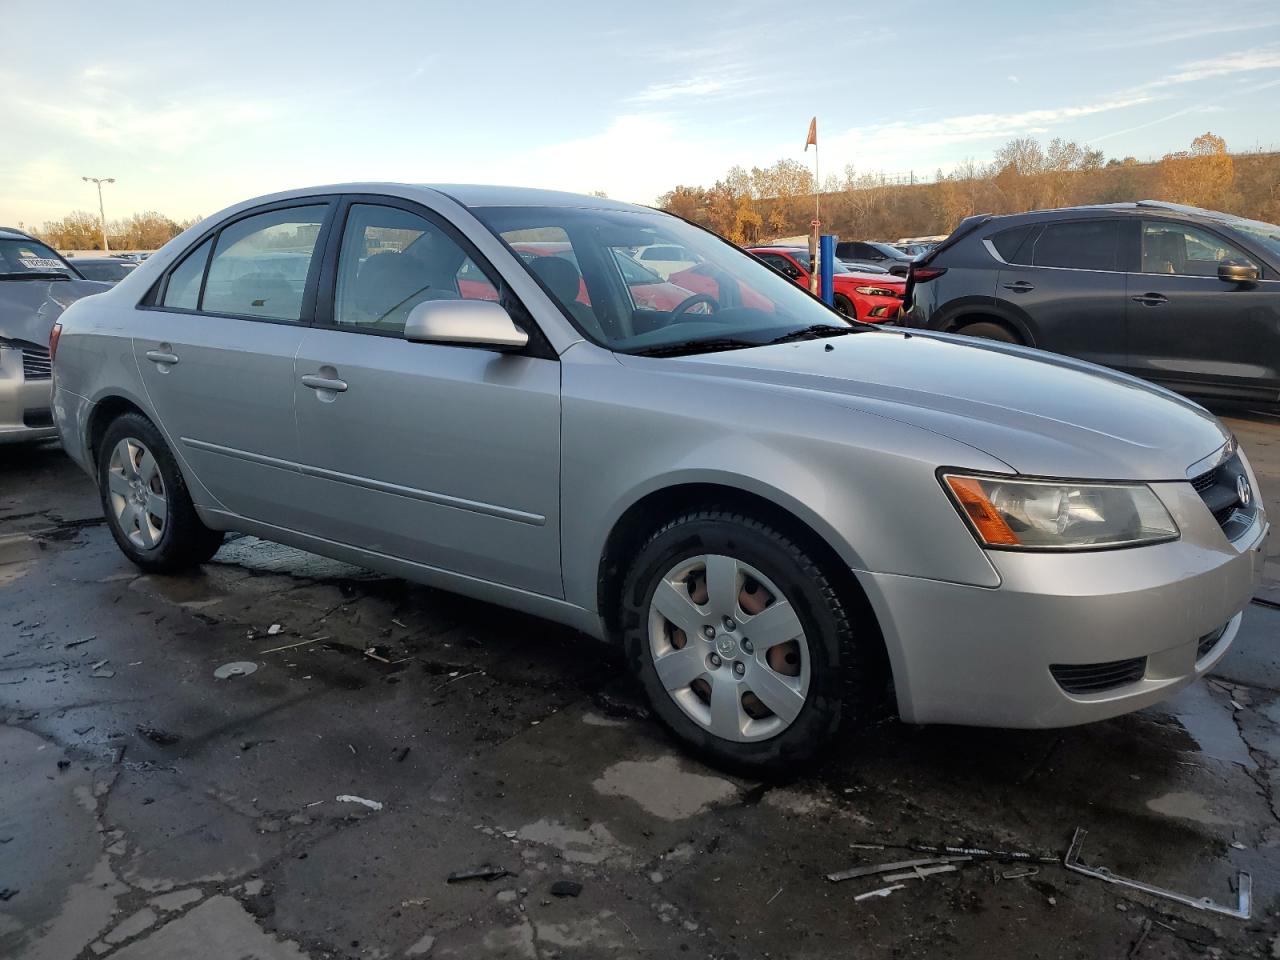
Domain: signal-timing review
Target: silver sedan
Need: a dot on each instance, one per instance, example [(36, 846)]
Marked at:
[(775, 512)]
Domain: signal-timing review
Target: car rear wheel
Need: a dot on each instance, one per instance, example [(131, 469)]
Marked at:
[(990, 331), (844, 307), (742, 644), (146, 502)]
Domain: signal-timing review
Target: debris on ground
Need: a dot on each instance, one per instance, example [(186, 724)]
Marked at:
[(8, 893), (566, 888), (1020, 874), (1244, 884), (291, 646), (63, 764), (919, 873), (478, 873), (238, 668), (274, 629), (99, 670), (75, 643), (981, 853), (879, 892), (855, 872), (348, 798), (163, 737), (401, 754)]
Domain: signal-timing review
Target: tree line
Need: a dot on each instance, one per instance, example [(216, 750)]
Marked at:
[(761, 204), (83, 231)]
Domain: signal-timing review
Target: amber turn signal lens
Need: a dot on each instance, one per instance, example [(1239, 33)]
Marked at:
[(985, 518), (54, 335)]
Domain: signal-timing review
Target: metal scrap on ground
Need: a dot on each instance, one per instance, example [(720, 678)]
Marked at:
[(348, 798)]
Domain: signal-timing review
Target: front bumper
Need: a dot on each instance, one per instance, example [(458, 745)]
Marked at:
[(24, 404), (981, 656), (878, 309)]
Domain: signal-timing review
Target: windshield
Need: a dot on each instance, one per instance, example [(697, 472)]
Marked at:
[(111, 271), (584, 259), (1266, 234), (19, 257)]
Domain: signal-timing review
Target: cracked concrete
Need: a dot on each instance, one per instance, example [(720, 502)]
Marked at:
[(488, 742)]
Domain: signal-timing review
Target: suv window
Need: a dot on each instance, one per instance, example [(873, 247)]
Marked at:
[(260, 264), (1080, 244), (1009, 243), (1180, 248), (391, 261)]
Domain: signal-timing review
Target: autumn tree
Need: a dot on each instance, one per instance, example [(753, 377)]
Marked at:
[(1202, 176)]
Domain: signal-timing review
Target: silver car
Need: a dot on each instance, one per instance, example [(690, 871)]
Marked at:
[(777, 513)]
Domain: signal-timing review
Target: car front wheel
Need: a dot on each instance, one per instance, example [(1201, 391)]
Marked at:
[(146, 502), (742, 644)]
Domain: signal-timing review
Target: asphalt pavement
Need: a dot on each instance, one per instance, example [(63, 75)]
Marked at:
[(152, 806)]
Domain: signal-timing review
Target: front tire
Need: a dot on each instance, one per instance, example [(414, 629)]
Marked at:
[(844, 307), (146, 502), (744, 648), (991, 331)]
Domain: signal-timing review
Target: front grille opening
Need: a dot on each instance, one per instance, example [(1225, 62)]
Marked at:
[(1219, 488), (35, 363), (1098, 677), (1208, 642), (37, 418)]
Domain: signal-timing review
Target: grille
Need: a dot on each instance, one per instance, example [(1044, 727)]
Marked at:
[(1208, 642), (35, 363), (1098, 677), (1219, 489)]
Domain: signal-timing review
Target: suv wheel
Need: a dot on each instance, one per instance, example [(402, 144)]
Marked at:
[(146, 502), (742, 644), (990, 331)]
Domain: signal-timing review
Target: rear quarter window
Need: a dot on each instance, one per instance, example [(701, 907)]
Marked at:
[(1012, 244)]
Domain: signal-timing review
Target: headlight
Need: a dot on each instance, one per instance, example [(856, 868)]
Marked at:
[(1014, 514), (878, 292)]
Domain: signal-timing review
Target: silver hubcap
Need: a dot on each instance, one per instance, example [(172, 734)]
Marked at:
[(729, 648), (137, 493)]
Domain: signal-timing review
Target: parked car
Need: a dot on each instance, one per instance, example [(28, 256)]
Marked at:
[(36, 285), (771, 509), (858, 295), (914, 250), (104, 269), (875, 254), (1187, 298), (665, 259)]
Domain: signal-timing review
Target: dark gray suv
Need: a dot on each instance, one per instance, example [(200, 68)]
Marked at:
[(1184, 297)]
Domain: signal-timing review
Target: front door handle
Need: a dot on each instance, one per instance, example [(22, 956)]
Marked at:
[(1150, 299), (1019, 286), (159, 356), (324, 383)]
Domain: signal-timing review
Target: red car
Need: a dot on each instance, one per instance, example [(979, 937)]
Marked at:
[(871, 297)]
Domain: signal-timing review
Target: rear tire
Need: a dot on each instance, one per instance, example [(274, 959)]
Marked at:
[(991, 331), (146, 502), (716, 685)]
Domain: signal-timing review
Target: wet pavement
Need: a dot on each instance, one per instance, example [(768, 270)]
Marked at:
[(392, 734)]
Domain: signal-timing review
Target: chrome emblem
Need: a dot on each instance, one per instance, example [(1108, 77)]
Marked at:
[(1243, 491)]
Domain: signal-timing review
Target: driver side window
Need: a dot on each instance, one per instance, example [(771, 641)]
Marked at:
[(391, 260)]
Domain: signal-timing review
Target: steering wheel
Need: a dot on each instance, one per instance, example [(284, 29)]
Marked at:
[(678, 315)]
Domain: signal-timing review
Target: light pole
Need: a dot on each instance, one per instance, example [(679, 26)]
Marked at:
[(106, 248)]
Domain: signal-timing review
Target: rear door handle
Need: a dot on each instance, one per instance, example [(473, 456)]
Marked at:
[(1019, 286), (159, 356), (324, 383), (1150, 299)]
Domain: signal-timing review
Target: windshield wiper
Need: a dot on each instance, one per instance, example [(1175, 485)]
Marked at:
[(35, 275), (685, 347), (815, 331)]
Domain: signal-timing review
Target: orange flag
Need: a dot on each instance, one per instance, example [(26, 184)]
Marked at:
[(813, 135)]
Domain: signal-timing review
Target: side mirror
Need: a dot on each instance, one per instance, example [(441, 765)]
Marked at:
[(468, 323), (1237, 271)]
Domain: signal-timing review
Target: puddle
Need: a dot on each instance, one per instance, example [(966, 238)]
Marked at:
[(592, 845), (663, 787), (1187, 806), (1208, 720)]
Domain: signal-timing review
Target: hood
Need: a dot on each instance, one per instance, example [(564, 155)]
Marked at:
[(28, 308), (1043, 414), (870, 280)]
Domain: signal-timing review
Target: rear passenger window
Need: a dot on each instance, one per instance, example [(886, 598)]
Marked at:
[(260, 266), (1080, 244), (183, 292), (1010, 243)]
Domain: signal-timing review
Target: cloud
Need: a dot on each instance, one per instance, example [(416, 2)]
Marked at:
[(1242, 61), (701, 87), (1012, 78)]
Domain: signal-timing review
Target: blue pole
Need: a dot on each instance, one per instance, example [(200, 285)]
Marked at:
[(827, 248)]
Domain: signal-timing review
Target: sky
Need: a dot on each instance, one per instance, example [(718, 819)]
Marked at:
[(192, 107)]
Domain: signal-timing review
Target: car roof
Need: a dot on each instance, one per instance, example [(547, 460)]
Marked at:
[(488, 195), (1127, 207), (12, 233)]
